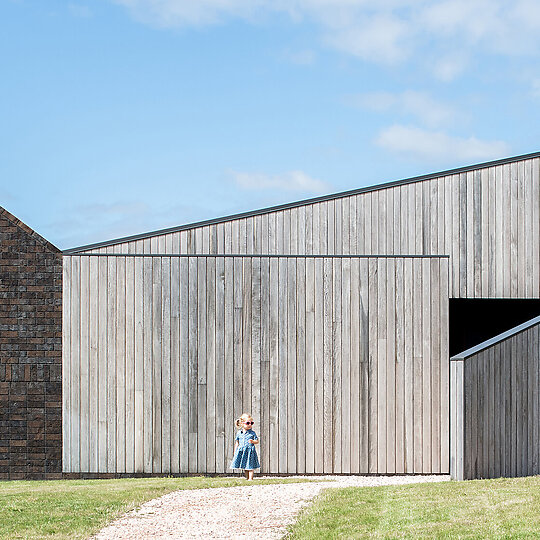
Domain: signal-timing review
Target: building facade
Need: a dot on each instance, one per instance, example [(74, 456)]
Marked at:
[(328, 319)]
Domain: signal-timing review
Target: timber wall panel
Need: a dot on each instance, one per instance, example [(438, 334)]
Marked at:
[(495, 404), (341, 360), (487, 220)]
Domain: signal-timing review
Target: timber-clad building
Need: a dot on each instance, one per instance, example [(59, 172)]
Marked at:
[(387, 330)]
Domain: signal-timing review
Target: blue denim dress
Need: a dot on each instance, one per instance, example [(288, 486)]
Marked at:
[(245, 456)]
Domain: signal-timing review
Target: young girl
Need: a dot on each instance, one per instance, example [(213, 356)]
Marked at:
[(245, 455)]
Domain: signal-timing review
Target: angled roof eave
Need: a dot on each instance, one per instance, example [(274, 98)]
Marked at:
[(496, 339), (28, 230), (303, 202)]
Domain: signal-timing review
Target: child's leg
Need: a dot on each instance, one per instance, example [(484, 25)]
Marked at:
[(246, 474), (250, 476)]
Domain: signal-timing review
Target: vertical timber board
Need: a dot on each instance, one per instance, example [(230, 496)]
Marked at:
[(400, 317), (273, 343), (90, 336), (408, 377), (175, 363), (310, 365), (156, 362), (211, 361), (318, 363), (202, 360), (354, 385), (371, 379), (391, 313), (166, 371), (327, 371), (139, 364), (256, 319), (183, 330), (101, 292), (120, 335), (220, 408), (347, 371), (228, 358), (336, 349), (363, 359), (301, 371), (282, 412), (264, 412), (290, 298), (66, 363), (456, 420), (130, 365), (192, 350), (87, 425)]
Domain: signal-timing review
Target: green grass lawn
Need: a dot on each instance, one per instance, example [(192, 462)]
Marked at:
[(502, 508), (79, 508)]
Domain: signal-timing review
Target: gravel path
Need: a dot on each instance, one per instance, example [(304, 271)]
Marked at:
[(250, 511)]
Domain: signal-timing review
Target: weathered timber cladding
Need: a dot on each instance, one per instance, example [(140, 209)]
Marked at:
[(487, 220), (30, 353), (496, 408), (343, 363)]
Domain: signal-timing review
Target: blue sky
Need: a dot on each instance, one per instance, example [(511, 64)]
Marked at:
[(123, 116)]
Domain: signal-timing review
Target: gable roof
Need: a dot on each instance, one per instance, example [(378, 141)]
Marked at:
[(303, 202), (28, 230)]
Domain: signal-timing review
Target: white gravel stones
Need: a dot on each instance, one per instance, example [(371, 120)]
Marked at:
[(250, 511)]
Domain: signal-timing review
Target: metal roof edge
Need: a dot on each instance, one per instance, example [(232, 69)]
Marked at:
[(497, 339), (302, 202), (257, 255)]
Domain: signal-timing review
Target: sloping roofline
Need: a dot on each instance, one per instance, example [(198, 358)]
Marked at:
[(28, 230), (496, 339), (303, 202)]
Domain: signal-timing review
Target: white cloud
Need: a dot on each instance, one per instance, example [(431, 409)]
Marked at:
[(288, 181), (419, 105), (304, 57), (81, 11), (448, 67), (381, 38), (438, 145), (386, 31), (190, 12)]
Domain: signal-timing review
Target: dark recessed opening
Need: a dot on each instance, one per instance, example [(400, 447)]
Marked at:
[(475, 320)]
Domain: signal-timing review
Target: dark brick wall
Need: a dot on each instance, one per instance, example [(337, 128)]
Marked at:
[(30, 353)]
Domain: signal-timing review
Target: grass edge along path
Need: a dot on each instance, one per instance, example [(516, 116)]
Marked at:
[(63, 509), (500, 508)]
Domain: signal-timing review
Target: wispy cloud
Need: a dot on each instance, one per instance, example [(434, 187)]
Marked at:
[(437, 145), (387, 31), (289, 181), (381, 38), (79, 10), (304, 57), (418, 105), (448, 67), (171, 13), (88, 223)]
